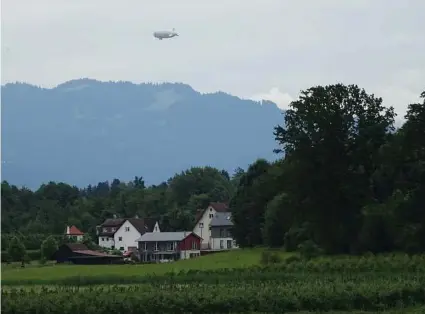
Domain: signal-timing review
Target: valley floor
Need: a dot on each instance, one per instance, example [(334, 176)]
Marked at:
[(243, 281)]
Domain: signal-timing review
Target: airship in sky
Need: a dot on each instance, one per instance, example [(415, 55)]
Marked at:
[(165, 34)]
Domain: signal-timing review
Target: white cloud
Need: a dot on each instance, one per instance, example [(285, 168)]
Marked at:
[(282, 100)]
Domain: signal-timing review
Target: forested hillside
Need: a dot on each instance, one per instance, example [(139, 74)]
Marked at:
[(85, 131), (348, 182)]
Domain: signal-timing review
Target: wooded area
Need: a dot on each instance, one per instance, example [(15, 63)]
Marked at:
[(348, 183)]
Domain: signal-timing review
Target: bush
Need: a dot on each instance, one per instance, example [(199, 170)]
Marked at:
[(308, 249), (268, 257)]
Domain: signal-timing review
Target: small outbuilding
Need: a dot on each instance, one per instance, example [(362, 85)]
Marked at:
[(78, 253)]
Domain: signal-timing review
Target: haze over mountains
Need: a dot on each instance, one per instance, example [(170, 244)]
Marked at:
[(85, 131)]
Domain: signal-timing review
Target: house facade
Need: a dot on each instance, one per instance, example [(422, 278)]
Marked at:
[(168, 246), (122, 233), (203, 221), (72, 232), (221, 232)]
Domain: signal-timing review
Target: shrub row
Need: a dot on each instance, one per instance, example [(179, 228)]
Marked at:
[(32, 255), (237, 297)]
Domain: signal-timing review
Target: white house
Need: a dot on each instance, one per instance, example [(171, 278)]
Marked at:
[(203, 221), (72, 232), (122, 233)]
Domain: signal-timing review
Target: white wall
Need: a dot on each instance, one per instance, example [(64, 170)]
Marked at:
[(128, 236), (186, 254), (156, 227), (205, 233), (106, 242), (215, 243)]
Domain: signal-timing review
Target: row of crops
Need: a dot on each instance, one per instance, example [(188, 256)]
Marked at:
[(391, 284), (344, 292)]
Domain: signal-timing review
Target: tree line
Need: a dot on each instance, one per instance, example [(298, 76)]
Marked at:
[(346, 182)]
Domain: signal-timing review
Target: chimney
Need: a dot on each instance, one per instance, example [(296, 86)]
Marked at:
[(115, 216), (137, 216), (67, 229)]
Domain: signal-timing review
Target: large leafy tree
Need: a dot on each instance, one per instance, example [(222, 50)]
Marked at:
[(331, 138)]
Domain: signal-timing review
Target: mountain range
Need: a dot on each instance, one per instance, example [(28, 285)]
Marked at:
[(86, 131)]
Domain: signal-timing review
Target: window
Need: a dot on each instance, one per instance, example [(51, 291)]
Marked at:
[(211, 216), (221, 244), (105, 229), (127, 229), (201, 225), (156, 246), (121, 248), (156, 229), (119, 238), (229, 244), (103, 239), (113, 229), (194, 245), (170, 246)]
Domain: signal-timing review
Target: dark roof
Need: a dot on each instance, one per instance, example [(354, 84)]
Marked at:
[(219, 207), (76, 246), (114, 222), (143, 224), (222, 220)]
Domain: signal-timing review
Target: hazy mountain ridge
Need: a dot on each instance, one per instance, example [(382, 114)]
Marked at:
[(85, 131)]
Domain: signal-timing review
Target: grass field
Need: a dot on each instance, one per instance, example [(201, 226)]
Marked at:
[(242, 281), (13, 274)]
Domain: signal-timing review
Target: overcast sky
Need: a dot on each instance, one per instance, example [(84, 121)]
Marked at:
[(250, 48)]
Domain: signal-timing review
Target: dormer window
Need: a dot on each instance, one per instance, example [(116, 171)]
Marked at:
[(105, 229), (201, 225), (211, 216), (113, 229)]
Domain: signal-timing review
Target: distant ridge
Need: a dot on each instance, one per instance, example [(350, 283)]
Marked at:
[(84, 131)]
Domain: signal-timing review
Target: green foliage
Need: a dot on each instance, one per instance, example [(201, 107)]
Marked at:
[(269, 257), (368, 283), (48, 247), (16, 250), (276, 220), (308, 249), (347, 183)]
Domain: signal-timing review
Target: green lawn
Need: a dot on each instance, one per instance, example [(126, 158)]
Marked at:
[(234, 259)]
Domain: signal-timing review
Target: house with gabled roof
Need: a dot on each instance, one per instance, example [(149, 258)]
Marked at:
[(203, 220), (122, 233), (168, 246), (72, 232)]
